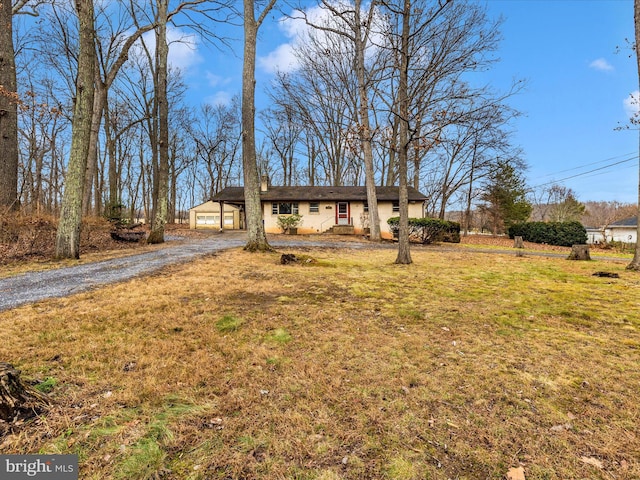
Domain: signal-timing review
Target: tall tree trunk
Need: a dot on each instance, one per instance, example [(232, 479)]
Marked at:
[(635, 263), (467, 215), (68, 234), (393, 152), (92, 158), (161, 201), (8, 113), (113, 173), (256, 237), (404, 252), (365, 124)]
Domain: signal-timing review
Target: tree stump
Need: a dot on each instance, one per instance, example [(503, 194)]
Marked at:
[(17, 400), (579, 252), (288, 258), (518, 242)]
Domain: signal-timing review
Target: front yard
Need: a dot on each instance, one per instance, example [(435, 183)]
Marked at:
[(462, 365)]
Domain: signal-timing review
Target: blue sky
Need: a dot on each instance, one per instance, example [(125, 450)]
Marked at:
[(577, 87), (575, 58)]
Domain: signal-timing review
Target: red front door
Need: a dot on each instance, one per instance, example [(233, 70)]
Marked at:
[(343, 213)]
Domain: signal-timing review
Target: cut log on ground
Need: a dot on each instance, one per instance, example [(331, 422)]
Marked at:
[(579, 252), (128, 235), (18, 401), (606, 274)]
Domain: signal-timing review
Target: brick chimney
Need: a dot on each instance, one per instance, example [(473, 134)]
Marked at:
[(264, 183)]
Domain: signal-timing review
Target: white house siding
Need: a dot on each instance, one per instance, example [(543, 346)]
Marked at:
[(594, 236), (324, 219), (207, 216), (621, 234)]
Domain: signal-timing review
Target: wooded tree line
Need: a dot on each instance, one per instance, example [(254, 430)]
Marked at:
[(125, 134), (382, 93)]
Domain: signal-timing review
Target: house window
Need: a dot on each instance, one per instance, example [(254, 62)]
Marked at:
[(366, 206), (284, 208), (314, 207), (396, 206)]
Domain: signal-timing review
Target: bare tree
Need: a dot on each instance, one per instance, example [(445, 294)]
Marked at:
[(447, 40), (556, 203), (635, 262), (161, 173), (284, 131), (324, 115), (39, 130), (468, 148), (68, 234), (9, 100), (404, 253), (216, 138), (112, 51), (257, 239), (355, 24)]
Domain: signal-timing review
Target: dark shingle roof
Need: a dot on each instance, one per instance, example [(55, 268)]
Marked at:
[(627, 222), (317, 194)]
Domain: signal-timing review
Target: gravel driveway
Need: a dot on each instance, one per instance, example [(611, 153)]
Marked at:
[(36, 286)]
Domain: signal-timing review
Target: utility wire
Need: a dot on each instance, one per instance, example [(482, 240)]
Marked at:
[(635, 157), (588, 165)]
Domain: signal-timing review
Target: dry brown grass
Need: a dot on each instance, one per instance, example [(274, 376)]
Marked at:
[(458, 366)]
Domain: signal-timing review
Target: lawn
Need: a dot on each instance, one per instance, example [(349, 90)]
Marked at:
[(346, 366)]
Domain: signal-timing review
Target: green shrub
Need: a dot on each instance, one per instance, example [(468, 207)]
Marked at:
[(428, 230), (563, 234), (287, 222)]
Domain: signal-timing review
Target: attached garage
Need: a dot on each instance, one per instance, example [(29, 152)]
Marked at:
[(207, 216)]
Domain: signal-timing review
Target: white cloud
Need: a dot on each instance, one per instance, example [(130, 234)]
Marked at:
[(632, 104), (601, 64), (283, 58), (183, 48), (216, 80), (219, 98)]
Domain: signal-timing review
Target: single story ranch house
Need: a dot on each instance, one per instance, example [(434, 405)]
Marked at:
[(340, 210), (625, 231)]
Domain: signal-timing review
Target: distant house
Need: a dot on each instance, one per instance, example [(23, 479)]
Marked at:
[(595, 235), (341, 210), (623, 231), (207, 216)]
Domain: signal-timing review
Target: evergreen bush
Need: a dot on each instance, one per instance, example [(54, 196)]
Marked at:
[(428, 230), (563, 234)]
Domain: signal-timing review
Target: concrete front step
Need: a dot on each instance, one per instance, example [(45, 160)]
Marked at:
[(342, 230)]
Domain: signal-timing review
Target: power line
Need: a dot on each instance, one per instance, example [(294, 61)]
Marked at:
[(588, 165), (635, 157)]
